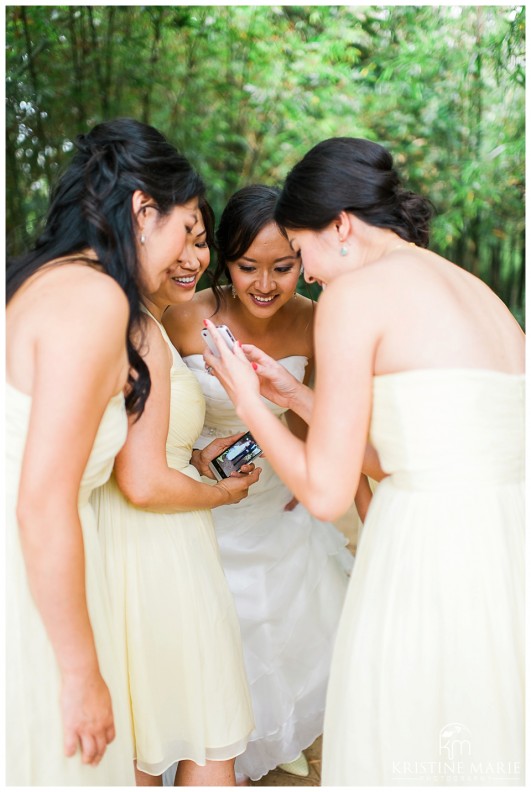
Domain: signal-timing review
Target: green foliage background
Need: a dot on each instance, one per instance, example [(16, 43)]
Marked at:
[(245, 91)]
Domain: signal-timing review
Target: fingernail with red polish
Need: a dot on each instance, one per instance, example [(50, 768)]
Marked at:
[(205, 322), (254, 365)]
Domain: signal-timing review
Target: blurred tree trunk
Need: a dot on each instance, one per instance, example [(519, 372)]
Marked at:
[(32, 69), (157, 18), (16, 231), (476, 126)]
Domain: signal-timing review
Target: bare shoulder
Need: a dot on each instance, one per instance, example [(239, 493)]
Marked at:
[(85, 298), (304, 315), (184, 322), (197, 309), (396, 276), (153, 346), (103, 290), (353, 288), (304, 308)]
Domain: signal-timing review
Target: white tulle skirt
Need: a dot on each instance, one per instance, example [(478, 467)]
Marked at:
[(288, 573)]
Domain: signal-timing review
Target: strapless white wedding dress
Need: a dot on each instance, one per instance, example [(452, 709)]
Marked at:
[(288, 573)]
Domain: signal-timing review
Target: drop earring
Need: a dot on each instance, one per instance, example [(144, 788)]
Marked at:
[(343, 250), (233, 290), (142, 239)]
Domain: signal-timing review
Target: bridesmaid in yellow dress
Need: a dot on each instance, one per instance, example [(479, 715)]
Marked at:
[(72, 318), (173, 613), (427, 681)]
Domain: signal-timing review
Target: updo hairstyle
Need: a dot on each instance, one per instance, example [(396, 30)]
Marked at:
[(352, 175)]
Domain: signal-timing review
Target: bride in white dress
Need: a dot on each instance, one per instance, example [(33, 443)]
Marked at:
[(288, 572), (427, 680)]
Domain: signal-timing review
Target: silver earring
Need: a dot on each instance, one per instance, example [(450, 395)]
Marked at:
[(233, 290), (343, 250), (142, 239)]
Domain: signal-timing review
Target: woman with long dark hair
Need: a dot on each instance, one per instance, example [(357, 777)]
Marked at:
[(173, 612), (74, 329), (427, 681)]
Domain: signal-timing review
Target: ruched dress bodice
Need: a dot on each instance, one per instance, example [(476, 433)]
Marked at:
[(109, 439), (35, 730), (187, 410), (427, 680), (436, 429)]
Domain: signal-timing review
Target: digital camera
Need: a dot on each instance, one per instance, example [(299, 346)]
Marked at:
[(232, 458)]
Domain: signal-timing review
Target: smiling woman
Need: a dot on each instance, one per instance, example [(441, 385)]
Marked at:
[(176, 244), (265, 276)]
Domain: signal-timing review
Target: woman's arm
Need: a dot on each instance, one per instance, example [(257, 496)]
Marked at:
[(363, 497), (299, 428), (282, 388), (141, 468), (279, 385), (371, 464), (322, 473), (79, 364), (296, 423)]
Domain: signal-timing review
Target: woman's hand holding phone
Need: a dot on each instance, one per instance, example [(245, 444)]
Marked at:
[(232, 368), (248, 370)]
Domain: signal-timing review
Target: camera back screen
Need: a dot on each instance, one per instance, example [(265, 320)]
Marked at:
[(239, 453)]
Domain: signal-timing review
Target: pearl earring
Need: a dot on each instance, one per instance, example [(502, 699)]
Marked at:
[(142, 239), (233, 290)]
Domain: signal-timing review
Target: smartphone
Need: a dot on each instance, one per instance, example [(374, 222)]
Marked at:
[(239, 453), (226, 335)]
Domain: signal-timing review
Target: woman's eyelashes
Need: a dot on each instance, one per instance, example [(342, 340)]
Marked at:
[(200, 239), (281, 269)]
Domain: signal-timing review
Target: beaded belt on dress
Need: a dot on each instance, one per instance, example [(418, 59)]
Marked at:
[(214, 431)]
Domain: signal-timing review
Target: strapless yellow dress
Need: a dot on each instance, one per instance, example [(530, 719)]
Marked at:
[(173, 612), (427, 681), (34, 730)]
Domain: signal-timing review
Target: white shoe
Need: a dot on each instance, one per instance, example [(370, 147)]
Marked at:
[(298, 767)]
